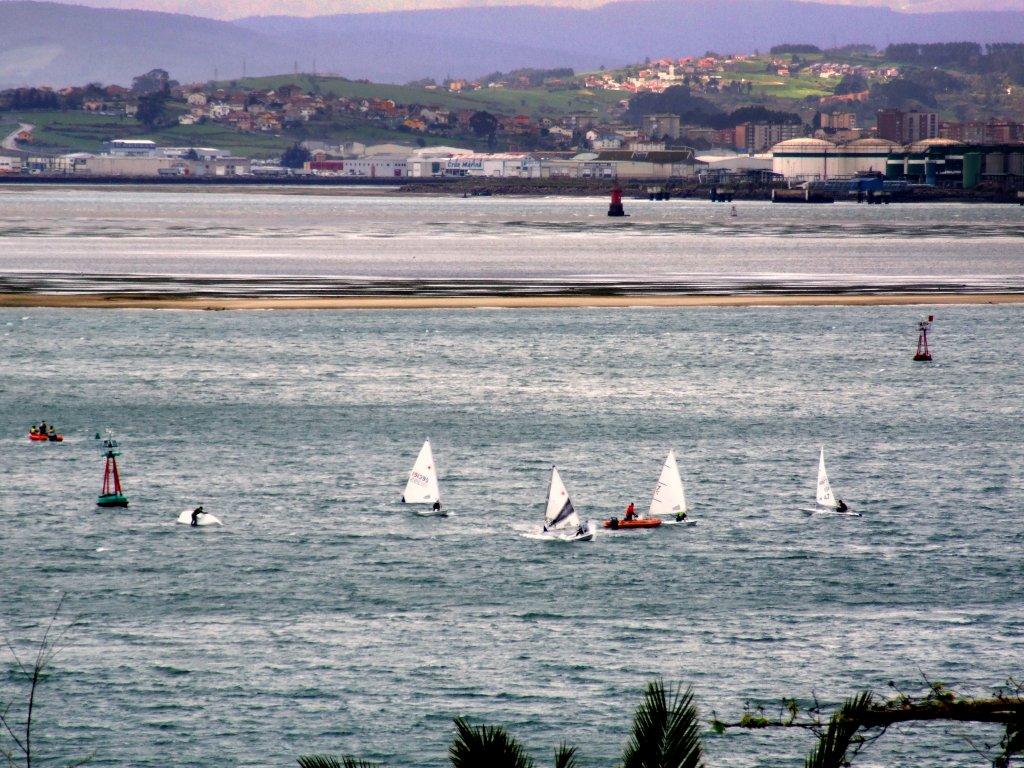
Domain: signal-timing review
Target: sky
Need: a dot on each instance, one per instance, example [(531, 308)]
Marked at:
[(233, 9)]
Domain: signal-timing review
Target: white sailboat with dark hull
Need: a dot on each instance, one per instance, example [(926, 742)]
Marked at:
[(561, 521), (422, 487), (828, 504)]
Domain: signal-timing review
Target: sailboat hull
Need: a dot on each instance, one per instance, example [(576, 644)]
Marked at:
[(831, 512), (202, 519), (432, 513), (569, 538)]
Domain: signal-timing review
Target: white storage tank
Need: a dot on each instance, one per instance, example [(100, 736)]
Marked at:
[(805, 159)]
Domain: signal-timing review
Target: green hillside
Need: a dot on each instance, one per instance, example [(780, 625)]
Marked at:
[(536, 102)]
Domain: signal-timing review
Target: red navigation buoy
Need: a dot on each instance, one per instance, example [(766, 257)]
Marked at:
[(111, 495), (923, 355), (615, 208)]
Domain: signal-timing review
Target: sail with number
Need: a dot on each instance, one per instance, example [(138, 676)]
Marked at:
[(669, 497), (422, 487), (560, 512), (825, 496)]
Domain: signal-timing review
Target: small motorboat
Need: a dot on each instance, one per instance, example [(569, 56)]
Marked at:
[(634, 522), (37, 436)]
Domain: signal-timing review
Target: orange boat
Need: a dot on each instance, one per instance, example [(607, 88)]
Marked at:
[(637, 522)]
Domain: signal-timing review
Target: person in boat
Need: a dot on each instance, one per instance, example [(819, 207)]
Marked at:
[(630, 512), (680, 516), (42, 428), (195, 515), (842, 506), (582, 530), (34, 430), (52, 432), (437, 506)]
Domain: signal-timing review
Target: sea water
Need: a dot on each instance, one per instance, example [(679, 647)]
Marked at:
[(325, 617)]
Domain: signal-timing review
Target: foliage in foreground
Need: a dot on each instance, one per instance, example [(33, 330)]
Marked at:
[(666, 730)]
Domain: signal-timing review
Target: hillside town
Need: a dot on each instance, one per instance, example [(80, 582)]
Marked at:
[(655, 122)]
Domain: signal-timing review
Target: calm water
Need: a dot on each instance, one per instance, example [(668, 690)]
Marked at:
[(279, 241), (323, 616)]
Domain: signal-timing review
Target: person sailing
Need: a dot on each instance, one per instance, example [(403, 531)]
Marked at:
[(437, 506), (842, 506), (195, 516), (680, 516), (630, 511)]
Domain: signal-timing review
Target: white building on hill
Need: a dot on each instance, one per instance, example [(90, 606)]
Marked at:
[(130, 148)]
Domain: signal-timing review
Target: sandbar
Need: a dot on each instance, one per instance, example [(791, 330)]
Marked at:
[(128, 301)]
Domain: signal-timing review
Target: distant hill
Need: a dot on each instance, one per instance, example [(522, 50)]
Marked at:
[(48, 43), (54, 44), (403, 45)]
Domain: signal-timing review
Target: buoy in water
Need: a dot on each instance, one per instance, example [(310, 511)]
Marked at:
[(923, 354), (111, 495), (615, 208)]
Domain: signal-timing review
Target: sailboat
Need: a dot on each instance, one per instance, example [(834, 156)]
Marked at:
[(561, 521), (422, 487), (202, 519), (827, 501), (669, 499)]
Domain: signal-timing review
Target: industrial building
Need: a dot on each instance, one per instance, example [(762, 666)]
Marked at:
[(819, 160), (130, 148), (948, 163), (503, 165)]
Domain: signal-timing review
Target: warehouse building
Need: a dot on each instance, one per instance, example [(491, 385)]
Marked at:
[(948, 163)]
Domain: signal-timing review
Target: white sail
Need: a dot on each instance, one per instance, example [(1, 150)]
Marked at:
[(825, 496), (559, 512), (422, 487), (669, 497)]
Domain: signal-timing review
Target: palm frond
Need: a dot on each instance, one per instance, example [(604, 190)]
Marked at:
[(666, 731), (485, 746), (329, 761), (565, 756), (842, 727)]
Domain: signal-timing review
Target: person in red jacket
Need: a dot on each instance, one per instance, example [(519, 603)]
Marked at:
[(630, 511)]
